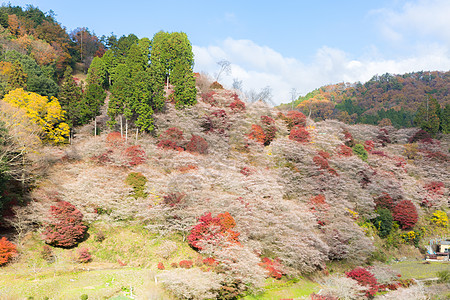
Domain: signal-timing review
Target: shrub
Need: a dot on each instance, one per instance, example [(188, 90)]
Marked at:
[(197, 144), (209, 228), (173, 199), (208, 97), (295, 118), (137, 181), (83, 255), (136, 155), (237, 105), (345, 150), (185, 264), (100, 236), (47, 254), (383, 137), (299, 134), (444, 276), (383, 222), (324, 154), (274, 267), (172, 138), (348, 139), (66, 228), (321, 162), (269, 129), (440, 218), (257, 134), (411, 237), (359, 150), (217, 122), (364, 278), (405, 214), (435, 187), (169, 145), (192, 283), (369, 145), (216, 86), (419, 136), (115, 139), (384, 201), (411, 151), (161, 266), (7, 250)]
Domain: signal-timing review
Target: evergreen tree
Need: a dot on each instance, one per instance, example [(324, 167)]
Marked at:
[(172, 54), (70, 97), (427, 116), (92, 100), (445, 119)]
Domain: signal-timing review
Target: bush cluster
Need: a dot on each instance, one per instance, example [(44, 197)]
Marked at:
[(405, 213), (364, 278), (7, 250), (137, 181), (213, 228), (66, 228), (273, 266), (299, 134)]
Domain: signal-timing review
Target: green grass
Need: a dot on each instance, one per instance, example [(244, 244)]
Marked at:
[(279, 289), (420, 270)]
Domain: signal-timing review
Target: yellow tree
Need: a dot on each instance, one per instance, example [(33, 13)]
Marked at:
[(43, 111)]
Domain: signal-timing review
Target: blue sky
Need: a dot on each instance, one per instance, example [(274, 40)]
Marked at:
[(283, 44)]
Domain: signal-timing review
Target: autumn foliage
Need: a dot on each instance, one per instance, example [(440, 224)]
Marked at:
[(405, 214), (299, 134), (295, 118), (197, 144), (7, 250), (274, 267), (364, 278), (211, 228), (66, 228)]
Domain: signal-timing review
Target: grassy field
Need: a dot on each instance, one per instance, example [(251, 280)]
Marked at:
[(278, 289), (420, 269)]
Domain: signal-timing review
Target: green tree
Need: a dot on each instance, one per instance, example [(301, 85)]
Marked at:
[(97, 73), (427, 116), (383, 222), (445, 119), (93, 99), (172, 54), (70, 97)]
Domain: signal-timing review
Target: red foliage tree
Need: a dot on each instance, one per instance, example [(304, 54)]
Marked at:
[(208, 97), (274, 267), (257, 134), (299, 134), (209, 228), (197, 144), (295, 118), (435, 187), (384, 201), (136, 155), (364, 278), (66, 228), (345, 150), (348, 138), (7, 250), (369, 145), (405, 214), (161, 266), (172, 139), (321, 162), (237, 105)]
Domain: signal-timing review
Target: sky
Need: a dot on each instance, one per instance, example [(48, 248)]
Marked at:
[(292, 46)]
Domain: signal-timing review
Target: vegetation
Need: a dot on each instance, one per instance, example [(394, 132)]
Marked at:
[(174, 187)]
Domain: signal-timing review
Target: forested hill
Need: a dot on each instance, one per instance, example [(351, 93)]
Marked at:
[(391, 98)]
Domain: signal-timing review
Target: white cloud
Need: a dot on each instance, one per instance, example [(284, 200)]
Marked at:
[(422, 18), (260, 66)]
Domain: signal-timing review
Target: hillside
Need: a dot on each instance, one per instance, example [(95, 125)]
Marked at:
[(143, 180), (393, 97), (305, 203)]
